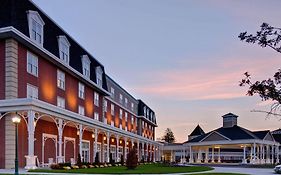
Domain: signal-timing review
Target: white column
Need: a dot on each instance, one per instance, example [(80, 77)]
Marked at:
[(263, 154), (154, 153), (267, 154), (191, 155), (96, 143), (117, 149), (142, 150), (272, 154), (60, 132), (277, 154), (138, 147), (30, 158), (107, 148), (254, 159), (207, 155), (244, 154), (213, 156), (219, 155), (251, 154), (80, 139), (125, 149)]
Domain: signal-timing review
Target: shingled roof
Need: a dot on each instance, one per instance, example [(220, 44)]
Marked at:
[(197, 131)]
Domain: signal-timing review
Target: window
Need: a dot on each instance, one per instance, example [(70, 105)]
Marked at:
[(120, 114), (86, 66), (112, 109), (144, 111), (81, 110), (60, 102), (96, 99), (81, 91), (105, 105), (147, 113), (132, 120), (112, 92), (126, 102), (96, 115), (99, 73), (126, 116), (35, 25), (132, 106), (121, 98), (112, 123), (32, 64), (61, 79), (32, 91), (64, 48)]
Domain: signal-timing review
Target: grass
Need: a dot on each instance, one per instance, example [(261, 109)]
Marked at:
[(219, 174), (141, 169)]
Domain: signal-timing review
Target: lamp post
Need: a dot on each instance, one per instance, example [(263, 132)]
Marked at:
[(16, 121)]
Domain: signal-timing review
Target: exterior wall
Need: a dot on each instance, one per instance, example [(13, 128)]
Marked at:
[(2, 69)]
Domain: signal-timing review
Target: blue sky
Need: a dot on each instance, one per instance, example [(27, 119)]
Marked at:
[(182, 57)]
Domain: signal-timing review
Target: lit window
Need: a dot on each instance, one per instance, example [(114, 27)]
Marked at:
[(61, 79), (36, 25), (132, 106), (121, 98), (81, 90), (64, 49), (112, 109), (105, 105), (86, 66), (144, 111), (112, 92), (32, 91), (126, 102), (96, 99), (81, 110), (147, 113), (96, 115), (120, 114), (126, 116), (32, 64), (60, 102), (132, 120), (99, 73), (112, 123)]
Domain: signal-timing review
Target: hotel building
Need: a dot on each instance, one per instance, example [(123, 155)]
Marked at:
[(67, 103)]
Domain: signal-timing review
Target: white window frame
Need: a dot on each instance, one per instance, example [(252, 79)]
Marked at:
[(120, 98), (105, 105), (60, 102), (86, 149), (86, 69), (126, 102), (81, 110), (32, 64), (34, 18), (132, 106), (121, 114), (112, 109), (31, 91), (81, 90), (96, 98), (60, 79), (112, 92), (99, 73), (126, 116), (96, 116), (132, 120), (64, 46)]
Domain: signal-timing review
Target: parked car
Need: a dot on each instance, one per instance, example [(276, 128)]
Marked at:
[(277, 169)]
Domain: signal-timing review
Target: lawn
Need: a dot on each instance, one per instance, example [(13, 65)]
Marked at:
[(141, 169), (218, 174)]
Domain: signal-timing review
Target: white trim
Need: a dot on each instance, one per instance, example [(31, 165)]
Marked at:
[(69, 68), (214, 132), (89, 149), (34, 15), (73, 141), (45, 137), (62, 40)]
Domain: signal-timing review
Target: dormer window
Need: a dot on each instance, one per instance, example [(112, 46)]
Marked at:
[(64, 48), (99, 73), (86, 66), (36, 27)]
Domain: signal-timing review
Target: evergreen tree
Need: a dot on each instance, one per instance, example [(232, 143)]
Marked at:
[(132, 159), (169, 136)]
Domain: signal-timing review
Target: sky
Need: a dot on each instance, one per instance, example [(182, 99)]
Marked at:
[(182, 57)]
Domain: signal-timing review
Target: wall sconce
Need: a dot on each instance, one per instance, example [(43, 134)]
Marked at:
[(104, 138), (93, 136), (78, 133), (120, 141), (112, 140), (127, 143)]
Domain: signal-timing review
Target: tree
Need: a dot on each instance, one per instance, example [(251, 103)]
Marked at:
[(269, 89), (169, 136), (132, 159)]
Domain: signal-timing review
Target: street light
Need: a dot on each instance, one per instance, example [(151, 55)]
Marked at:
[(16, 121)]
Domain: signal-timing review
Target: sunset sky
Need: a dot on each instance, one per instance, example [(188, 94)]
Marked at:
[(182, 57)]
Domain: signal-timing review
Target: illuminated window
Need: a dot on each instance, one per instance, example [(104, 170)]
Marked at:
[(96, 99), (132, 120), (36, 27), (81, 110), (121, 98), (99, 73), (132, 106), (61, 79), (112, 109), (32, 64), (105, 105), (64, 49), (120, 114), (86, 66), (60, 102), (32, 91), (96, 115), (126, 116), (81, 91)]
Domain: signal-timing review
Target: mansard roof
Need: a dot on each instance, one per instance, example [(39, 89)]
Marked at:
[(197, 131)]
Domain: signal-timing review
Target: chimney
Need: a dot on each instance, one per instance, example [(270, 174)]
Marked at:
[(229, 120)]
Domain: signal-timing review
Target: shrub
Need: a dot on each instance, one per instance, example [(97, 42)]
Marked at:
[(64, 164), (55, 167), (97, 159), (122, 160), (132, 159), (79, 163)]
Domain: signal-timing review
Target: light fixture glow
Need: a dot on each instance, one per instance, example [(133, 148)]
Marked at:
[(16, 120), (93, 136), (112, 140), (104, 138), (78, 133)]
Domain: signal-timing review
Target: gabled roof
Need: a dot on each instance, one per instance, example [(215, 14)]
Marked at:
[(197, 131), (261, 134)]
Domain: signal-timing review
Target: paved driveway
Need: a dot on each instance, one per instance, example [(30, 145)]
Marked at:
[(254, 171)]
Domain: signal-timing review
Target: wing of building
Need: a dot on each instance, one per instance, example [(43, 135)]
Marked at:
[(227, 144), (67, 103)]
